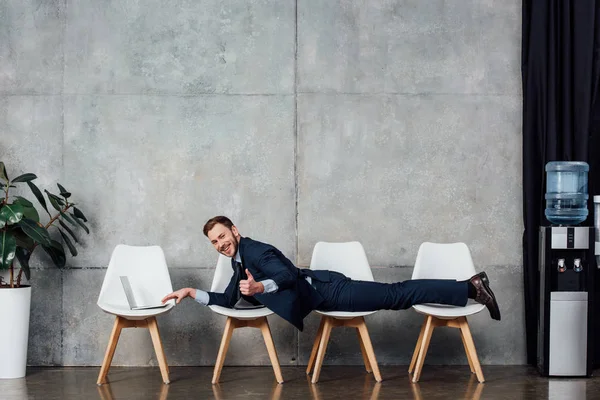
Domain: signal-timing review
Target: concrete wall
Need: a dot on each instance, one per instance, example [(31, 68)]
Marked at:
[(389, 122)]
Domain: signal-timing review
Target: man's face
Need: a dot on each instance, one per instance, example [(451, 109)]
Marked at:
[(225, 240)]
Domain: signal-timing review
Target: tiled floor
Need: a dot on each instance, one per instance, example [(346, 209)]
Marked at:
[(437, 382)]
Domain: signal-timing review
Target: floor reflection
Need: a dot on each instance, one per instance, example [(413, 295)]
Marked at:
[(221, 392), (370, 389), (473, 391), (106, 392), (337, 382), (561, 389), (13, 389)]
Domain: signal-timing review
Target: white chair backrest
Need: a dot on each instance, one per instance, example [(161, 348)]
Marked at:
[(443, 261), (223, 274), (146, 268), (348, 258)]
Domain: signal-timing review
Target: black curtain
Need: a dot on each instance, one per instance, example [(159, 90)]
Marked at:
[(559, 66)]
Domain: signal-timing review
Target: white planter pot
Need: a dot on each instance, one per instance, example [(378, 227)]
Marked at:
[(14, 314)]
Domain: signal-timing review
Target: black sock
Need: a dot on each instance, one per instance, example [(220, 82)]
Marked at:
[(471, 291)]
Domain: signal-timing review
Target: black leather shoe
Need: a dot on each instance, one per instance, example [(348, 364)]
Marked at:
[(485, 295), (484, 279)]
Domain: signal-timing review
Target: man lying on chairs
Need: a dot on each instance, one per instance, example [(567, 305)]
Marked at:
[(262, 274)]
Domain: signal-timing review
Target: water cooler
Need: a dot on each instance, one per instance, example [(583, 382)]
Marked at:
[(567, 266)]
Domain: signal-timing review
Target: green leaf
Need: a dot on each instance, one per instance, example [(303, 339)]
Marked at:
[(55, 197), (29, 210), (54, 200), (24, 178), (56, 252), (85, 228), (66, 228), (3, 174), (22, 239), (68, 218), (38, 195), (63, 192), (31, 213), (70, 245), (11, 214), (8, 245), (23, 255), (34, 231), (79, 214), (24, 202)]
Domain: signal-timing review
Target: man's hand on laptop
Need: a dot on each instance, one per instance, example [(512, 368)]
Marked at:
[(180, 295)]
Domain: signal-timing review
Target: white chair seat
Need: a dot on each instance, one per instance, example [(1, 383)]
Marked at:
[(124, 311), (345, 314), (443, 311), (242, 314)]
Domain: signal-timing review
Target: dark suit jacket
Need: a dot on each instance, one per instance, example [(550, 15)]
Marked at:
[(294, 299)]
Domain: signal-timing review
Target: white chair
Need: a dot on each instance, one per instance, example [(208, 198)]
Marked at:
[(349, 259), (254, 318), (444, 261), (146, 268)]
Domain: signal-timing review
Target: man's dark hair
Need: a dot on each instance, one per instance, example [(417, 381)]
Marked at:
[(219, 219)]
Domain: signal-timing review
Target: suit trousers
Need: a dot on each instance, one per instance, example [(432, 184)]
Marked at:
[(344, 294)]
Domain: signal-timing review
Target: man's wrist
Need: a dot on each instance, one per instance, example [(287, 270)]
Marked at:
[(262, 287), (192, 293)]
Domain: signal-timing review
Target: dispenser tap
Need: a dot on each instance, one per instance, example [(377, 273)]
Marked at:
[(577, 265), (561, 265)]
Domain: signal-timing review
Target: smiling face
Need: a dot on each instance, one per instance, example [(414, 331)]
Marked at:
[(225, 240)]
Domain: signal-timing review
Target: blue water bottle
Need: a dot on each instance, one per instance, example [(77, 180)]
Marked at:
[(566, 192)]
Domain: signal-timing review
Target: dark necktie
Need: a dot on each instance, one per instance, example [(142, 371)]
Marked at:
[(238, 269)]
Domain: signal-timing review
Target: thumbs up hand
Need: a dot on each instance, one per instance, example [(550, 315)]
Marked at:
[(249, 287)]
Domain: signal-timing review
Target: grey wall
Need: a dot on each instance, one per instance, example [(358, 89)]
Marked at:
[(389, 122)]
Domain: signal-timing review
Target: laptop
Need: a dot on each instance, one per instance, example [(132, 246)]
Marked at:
[(131, 298), (243, 304)]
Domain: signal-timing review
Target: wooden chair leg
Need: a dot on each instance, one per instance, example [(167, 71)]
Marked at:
[(462, 337), (110, 349), (322, 348), (266, 332), (229, 327), (364, 352), (424, 346), (315, 348), (417, 348), (366, 340), (466, 332), (158, 349)]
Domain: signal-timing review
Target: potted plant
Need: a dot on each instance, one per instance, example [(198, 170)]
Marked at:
[(21, 232)]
